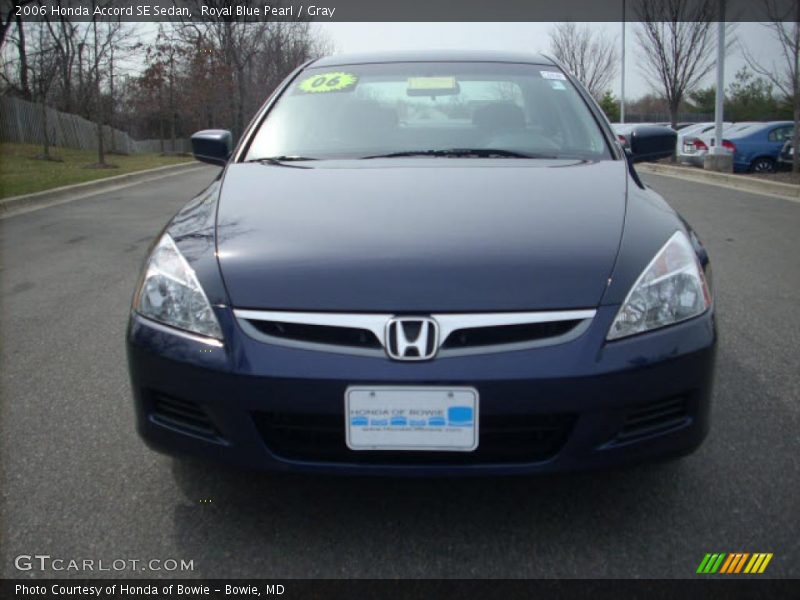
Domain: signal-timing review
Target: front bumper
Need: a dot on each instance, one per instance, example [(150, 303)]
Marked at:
[(696, 159), (581, 404)]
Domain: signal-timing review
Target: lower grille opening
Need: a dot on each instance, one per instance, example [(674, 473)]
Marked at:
[(184, 415), (507, 334), (503, 439), (653, 419), (319, 334)]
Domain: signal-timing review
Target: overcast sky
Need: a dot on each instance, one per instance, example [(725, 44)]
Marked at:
[(526, 37)]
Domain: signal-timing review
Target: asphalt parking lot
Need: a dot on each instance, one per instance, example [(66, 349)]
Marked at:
[(77, 483)]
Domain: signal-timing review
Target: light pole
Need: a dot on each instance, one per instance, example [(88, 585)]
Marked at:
[(720, 95), (622, 91), (719, 159)]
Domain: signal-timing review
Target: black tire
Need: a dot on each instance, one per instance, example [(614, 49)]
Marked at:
[(763, 164)]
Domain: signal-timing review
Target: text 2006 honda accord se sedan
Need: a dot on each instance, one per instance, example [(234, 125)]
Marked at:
[(425, 264)]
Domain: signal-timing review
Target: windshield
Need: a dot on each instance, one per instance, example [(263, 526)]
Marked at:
[(439, 109)]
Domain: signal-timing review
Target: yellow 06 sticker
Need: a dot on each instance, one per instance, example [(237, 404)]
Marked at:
[(335, 81)]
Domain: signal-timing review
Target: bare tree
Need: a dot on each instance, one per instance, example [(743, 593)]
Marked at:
[(16, 70), (237, 41), (236, 63), (121, 48), (45, 66), (103, 37), (674, 39), (69, 40), (195, 75), (784, 25), (589, 55), (161, 78), (8, 14), (23, 60)]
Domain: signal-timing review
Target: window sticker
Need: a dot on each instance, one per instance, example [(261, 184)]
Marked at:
[(335, 81), (432, 83), (557, 85), (553, 75)]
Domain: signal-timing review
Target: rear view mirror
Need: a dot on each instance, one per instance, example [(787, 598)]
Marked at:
[(433, 86), (650, 142), (212, 146)]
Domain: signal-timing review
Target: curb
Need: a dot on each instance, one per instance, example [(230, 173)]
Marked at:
[(787, 191), (26, 202)]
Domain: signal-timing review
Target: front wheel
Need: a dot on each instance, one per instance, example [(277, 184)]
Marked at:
[(763, 165)]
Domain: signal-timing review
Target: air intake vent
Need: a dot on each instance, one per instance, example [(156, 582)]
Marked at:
[(185, 416), (507, 334), (352, 337), (503, 439), (653, 419)]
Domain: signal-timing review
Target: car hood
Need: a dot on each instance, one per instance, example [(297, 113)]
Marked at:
[(427, 235)]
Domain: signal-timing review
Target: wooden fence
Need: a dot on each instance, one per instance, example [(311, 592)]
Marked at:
[(24, 122)]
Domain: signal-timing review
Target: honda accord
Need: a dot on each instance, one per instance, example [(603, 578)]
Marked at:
[(425, 264)]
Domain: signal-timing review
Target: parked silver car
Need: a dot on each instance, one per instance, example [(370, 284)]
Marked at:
[(685, 148), (704, 141)]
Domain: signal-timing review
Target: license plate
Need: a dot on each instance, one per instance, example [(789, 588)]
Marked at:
[(688, 148), (411, 418)]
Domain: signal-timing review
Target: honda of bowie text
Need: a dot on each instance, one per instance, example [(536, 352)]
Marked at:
[(426, 264)]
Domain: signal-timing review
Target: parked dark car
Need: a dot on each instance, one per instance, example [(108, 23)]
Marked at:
[(625, 130), (426, 264)]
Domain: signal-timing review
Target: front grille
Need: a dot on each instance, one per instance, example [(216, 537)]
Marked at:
[(459, 334), (319, 334), (507, 334), (653, 419), (185, 416), (503, 439)]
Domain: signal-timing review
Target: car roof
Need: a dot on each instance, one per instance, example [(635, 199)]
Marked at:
[(767, 124), (731, 128), (757, 127), (694, 129), (743, 127), (776, 124), (432, 56)]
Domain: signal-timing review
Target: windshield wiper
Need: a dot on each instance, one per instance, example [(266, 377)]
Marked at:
[(281, 160), (461, 153)]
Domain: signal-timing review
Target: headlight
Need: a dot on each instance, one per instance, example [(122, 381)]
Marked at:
[(171, 294), (671, 289)]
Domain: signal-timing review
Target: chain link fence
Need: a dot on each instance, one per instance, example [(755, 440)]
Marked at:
[(23, 122)]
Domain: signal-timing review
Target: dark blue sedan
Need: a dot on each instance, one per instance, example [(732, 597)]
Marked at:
[(426, 264)]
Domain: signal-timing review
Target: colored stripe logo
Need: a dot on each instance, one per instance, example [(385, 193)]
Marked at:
[(734, 563)]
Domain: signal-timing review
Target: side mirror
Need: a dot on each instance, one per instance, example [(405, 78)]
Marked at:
[(212, 146), (650, 142)]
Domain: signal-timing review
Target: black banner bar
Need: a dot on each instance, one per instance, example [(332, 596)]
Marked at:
[(332, 11), (368, 589)]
